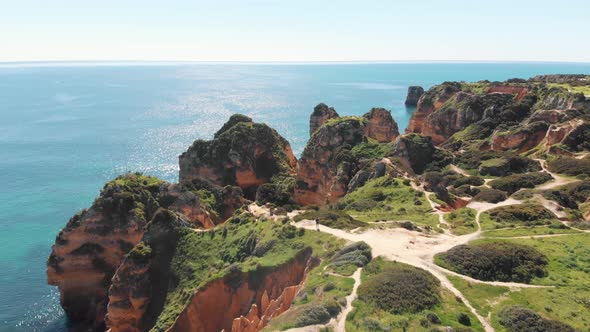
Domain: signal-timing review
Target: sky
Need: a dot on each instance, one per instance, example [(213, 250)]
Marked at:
[(294, 31)]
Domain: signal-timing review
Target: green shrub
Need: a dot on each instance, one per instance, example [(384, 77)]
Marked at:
[(316, 314), (358, 254), (520, 319), (490, 196), (463, 318), (399, 288), (528, 212), (514, 182), (570, 166), (496, 261)]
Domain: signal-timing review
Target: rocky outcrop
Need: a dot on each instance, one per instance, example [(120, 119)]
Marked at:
[(522, 138), (518, 91), (321, 114), (242, 153), (414, 94), (324, 170), (380, 125), (460, 111), (240, 304), (95, 241), (431, 101), (414, 151), (139, 286)]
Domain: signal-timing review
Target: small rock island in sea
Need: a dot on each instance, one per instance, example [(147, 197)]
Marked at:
[(449, 226)]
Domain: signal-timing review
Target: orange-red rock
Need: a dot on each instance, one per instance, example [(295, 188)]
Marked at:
[(381, 126)]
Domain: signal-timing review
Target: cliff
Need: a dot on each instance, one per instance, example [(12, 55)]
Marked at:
[(242, 153), (324, 170), (321, 113), (414, 94)]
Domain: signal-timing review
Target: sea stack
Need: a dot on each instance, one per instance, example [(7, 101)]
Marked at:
[(321, 113), (414, 93)]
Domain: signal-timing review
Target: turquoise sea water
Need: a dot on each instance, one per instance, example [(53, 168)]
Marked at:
[(65, 130)]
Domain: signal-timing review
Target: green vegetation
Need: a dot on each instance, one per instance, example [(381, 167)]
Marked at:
[(388, 198), (570, 166), (243, 246), (398, 297), (584, 89), (490, 195), (398, 288), (519, 319), (496, 163), (554, 228), (462, 221), (527, 214), (320, 299), (351, 257), (495, 261), (515, 182), (331, 218)]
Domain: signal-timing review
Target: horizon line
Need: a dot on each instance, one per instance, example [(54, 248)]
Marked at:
[(52, 63)]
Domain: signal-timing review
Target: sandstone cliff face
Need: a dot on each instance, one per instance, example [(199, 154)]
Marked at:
[(381, 126), (93, 244), (321, 114), (138, 289), (414, 94), (241, 305), (429, 102), (323, 174), (522, 138), (242, 153), (460, 111), (414, 151)]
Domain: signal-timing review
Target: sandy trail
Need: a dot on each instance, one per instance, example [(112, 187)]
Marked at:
[(558, 180), (459, 170), (341, 319)]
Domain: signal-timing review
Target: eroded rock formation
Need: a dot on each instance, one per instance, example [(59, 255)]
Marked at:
[(414, 94), (321, 114), (380, 125), (242, 153), (324, 171), (241, 305)]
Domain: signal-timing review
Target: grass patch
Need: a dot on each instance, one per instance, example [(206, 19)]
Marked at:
[(242, 245), (570, 166), (462, 221), (555, 228), (387, 198), (369, 317)]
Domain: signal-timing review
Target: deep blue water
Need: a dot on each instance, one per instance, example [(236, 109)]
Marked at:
[(65, 130)]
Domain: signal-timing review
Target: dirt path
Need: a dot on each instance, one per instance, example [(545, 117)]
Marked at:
[(341, 319), (558, 179), (459, 170)]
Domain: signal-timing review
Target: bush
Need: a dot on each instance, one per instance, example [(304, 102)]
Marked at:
[(490, 196), (570, 166), (317, 314), (399, 288), (358, 254), (527, 212), (513, 183), (463, 318), (496, 261), (520, 319)]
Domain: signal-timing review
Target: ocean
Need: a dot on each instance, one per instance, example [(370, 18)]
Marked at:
[(66, 129)]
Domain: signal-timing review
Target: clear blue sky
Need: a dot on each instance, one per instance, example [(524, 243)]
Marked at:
[(302, 30)]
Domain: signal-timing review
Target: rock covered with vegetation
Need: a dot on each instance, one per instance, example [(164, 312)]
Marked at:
[(321, 113), (414, 94), (242, 153)]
